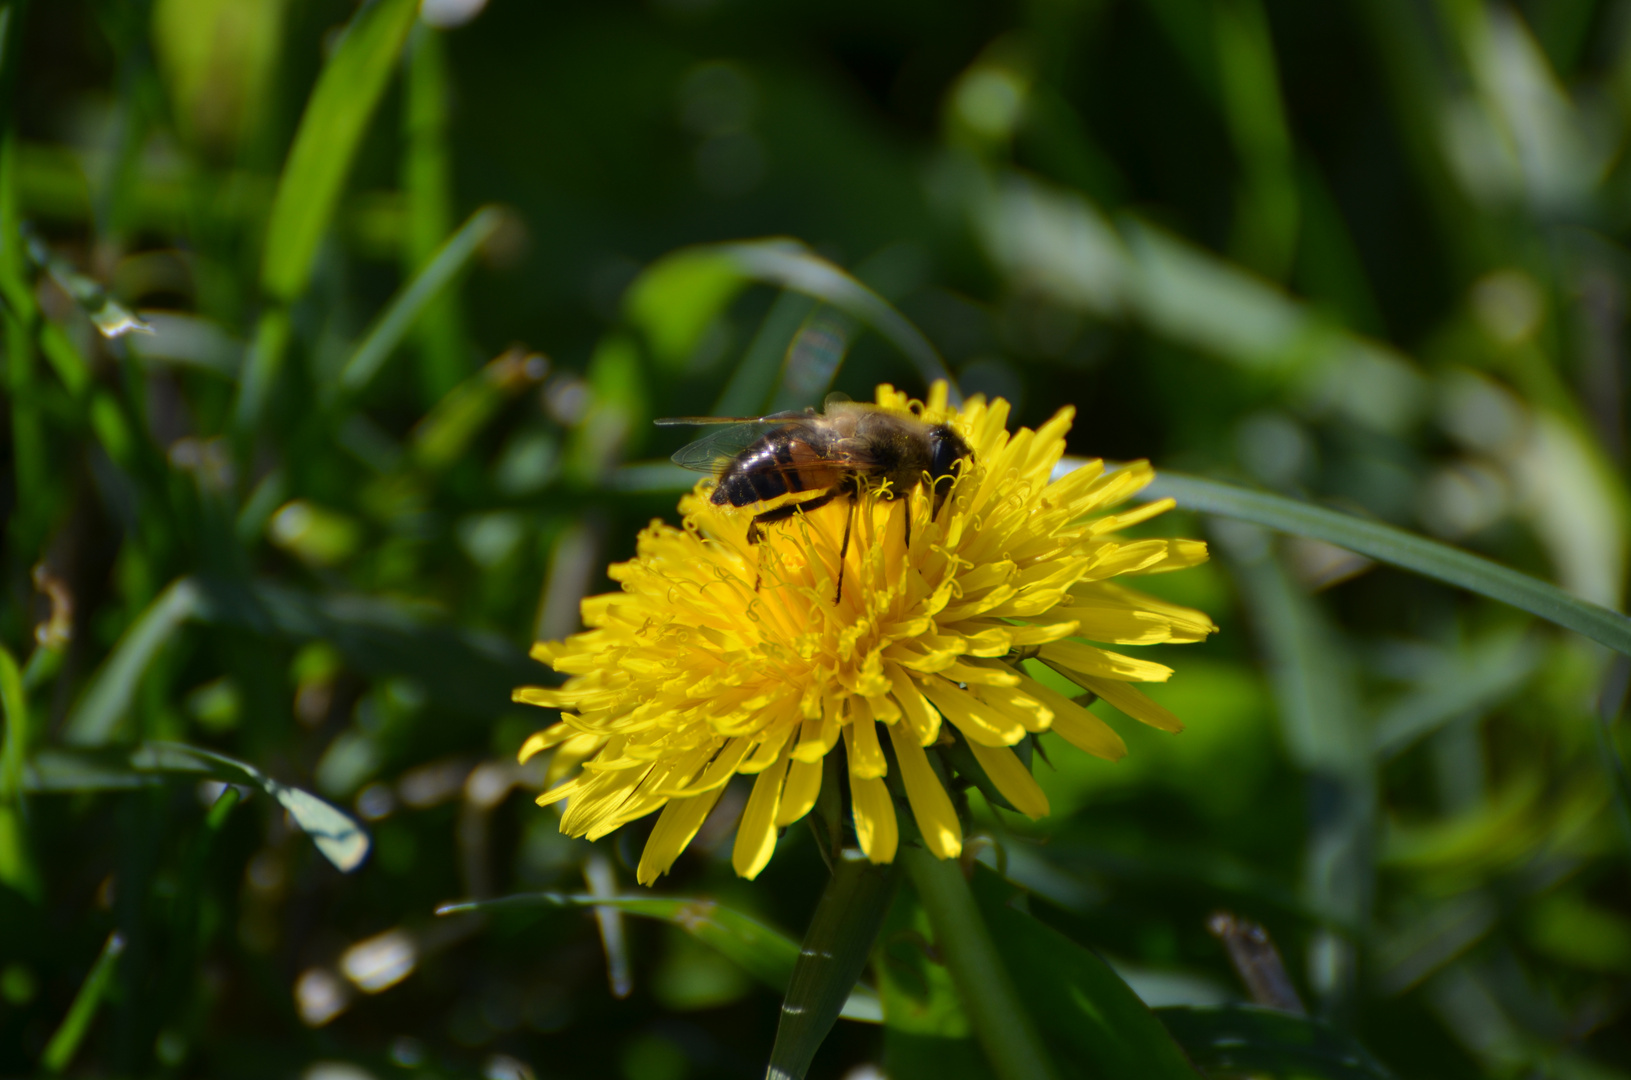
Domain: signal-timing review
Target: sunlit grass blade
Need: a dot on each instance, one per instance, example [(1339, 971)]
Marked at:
[(762, 952), (14, 711), (56, 770), (1397, 547), (63, 1045), (416, 297), (331, 130), (1004, 1028), (16, 865), (111, 318), (341, 840), (791, 266)]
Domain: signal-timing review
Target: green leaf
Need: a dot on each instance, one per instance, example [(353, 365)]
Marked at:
[(341, 840), (1248, 1040), (60, 771), (1494, 670), (427, 188), (792, 266), (1396, 547), (65, 1042), (406, 307), (768, 955), (1006, 1029), (748, 392), (14, 710), (835, 950), (102, 708), (1095, 1024), (927, 1034), (331, 129)]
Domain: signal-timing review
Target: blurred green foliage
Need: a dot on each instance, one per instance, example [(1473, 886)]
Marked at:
[(413, 279)]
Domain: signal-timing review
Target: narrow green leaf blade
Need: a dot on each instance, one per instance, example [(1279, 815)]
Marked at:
[(1094, 1022), (407, 306), (1251, 1041), (790, 265), (101, 710), (336, 117), (341, 840), (833, 955), (65, 1042), (1396, 547)]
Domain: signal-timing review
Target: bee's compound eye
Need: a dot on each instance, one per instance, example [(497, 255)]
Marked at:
[(948, 449)]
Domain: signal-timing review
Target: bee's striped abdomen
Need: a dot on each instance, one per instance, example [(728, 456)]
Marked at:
[(763, 471)]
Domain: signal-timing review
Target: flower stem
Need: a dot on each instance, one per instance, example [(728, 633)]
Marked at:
[(1003, 1027)]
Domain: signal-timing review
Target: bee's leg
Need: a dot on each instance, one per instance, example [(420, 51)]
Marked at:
[(782, 513), (843, 549)]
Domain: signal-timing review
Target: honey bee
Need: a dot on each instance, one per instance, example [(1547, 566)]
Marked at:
[(837, 453)]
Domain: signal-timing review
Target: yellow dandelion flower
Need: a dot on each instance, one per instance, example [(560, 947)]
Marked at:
[(721, 657)]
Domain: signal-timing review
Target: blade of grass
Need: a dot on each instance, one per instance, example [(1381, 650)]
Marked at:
[(748, 392), (1493, 673), (1093, 1021), (308, 192), (96, 720), (1005, 1031), (14, 710), (1315, 693), (1396, 547), (790, 265), (1610, 704), (427, 184), (60, 1050), (406, 308), (16, 866), (341, 840), (834, 953), (331, 129)]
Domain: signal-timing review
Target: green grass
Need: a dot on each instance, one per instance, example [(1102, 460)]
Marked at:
[(1354, 272)]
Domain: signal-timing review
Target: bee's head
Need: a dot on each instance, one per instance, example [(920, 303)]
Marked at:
[(946, 448)]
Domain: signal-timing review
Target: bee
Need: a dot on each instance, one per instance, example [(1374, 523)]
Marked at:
[(837, 453)]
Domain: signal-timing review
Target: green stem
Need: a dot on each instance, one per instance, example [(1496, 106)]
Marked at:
[(1004, 1029)]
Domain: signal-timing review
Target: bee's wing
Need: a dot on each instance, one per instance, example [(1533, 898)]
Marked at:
[(704, 421), (710, 452)]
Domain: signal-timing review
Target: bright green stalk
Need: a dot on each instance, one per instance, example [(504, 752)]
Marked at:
[(1005, 1030)]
